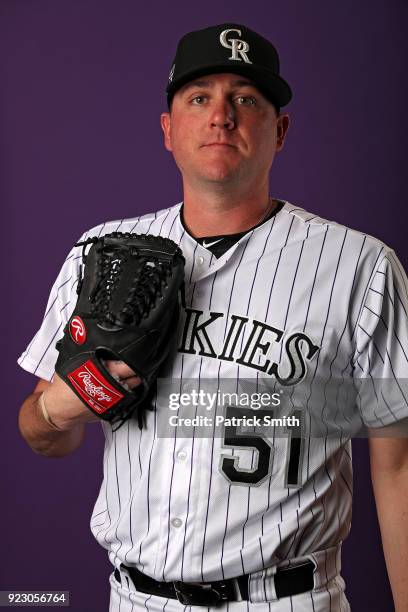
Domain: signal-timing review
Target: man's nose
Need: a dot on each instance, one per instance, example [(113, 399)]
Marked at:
[(223, 115)]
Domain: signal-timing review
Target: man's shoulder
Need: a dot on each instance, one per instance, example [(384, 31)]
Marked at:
[(149, 223), (334, 230)]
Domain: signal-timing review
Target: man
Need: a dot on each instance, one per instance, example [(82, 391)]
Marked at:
[(274, 295)]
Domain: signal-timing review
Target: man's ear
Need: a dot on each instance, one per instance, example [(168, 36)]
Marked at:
[(165, 121), (282, 128)]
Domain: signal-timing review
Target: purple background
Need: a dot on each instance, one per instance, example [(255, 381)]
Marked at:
[(81, 92)]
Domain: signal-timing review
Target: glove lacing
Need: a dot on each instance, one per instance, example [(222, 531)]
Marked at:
[(145, 289)]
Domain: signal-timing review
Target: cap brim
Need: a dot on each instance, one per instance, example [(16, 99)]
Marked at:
[(272, 85)]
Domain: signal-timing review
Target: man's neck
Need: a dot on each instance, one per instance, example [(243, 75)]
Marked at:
[(211, 214)]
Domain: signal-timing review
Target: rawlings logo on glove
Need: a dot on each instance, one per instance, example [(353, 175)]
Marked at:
[(77, 330), (127, 310)]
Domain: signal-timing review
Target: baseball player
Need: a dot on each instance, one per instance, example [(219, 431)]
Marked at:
[(243, 518)]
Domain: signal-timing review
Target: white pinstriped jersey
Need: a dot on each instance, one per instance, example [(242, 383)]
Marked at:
[(167, 505)]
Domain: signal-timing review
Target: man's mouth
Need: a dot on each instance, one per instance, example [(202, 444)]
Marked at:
[(219, 144)]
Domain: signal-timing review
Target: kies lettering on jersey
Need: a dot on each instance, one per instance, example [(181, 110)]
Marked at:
[(198, 338)]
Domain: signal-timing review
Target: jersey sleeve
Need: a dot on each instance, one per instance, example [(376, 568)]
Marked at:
[(40, 356), (381, 357)]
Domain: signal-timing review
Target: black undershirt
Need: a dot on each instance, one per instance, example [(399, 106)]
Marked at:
[(220, 244)]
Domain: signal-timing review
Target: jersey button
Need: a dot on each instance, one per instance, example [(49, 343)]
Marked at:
[(176, 522), (200, 260), (182, 455)]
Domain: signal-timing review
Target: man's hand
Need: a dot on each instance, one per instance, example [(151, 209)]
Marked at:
[(65, 410), (64, 407)]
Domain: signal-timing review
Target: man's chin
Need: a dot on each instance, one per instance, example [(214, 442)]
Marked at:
[(221, 175)]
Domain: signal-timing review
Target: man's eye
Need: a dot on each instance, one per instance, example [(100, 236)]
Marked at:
[(198, 100), (246, 100)]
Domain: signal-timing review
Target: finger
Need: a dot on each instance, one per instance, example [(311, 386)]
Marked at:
[(119, 368), (132, 382)]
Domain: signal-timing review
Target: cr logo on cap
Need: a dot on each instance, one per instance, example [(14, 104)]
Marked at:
[(238, 46)]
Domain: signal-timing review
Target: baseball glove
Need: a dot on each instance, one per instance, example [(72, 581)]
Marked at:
[(127, 309)]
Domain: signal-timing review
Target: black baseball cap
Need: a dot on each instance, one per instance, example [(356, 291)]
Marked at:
[(229, 47)]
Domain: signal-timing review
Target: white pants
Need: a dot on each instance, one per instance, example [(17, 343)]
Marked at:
[(331, 598)]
